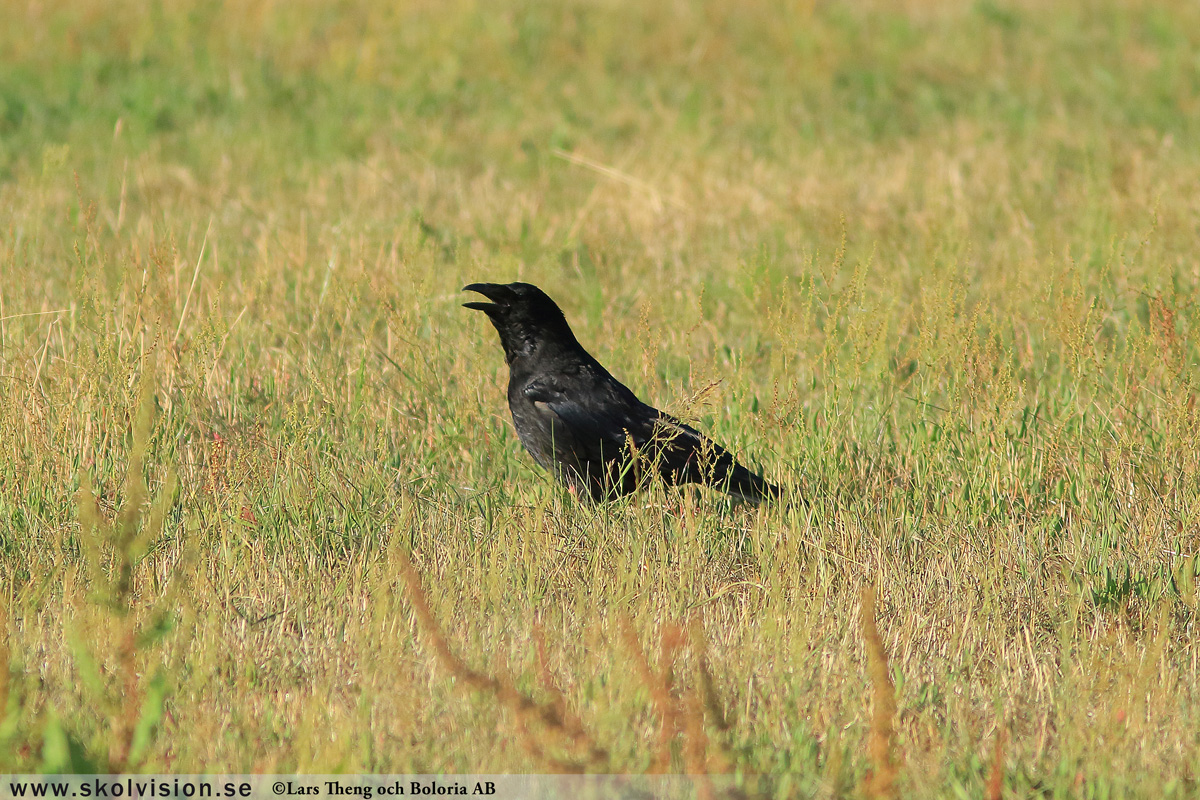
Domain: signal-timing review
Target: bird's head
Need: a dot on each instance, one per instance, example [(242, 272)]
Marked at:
[(525, 317)]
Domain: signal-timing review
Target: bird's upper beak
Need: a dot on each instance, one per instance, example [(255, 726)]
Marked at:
[(496, 292)]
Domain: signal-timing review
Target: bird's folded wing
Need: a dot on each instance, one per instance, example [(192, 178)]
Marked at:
[(599, 422), (596, 417), (685, 446), (606, 415)]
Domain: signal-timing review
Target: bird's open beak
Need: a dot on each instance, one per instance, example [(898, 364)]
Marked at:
[(492, 291)]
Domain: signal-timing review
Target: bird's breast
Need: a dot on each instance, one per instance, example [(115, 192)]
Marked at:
[(535, 428)]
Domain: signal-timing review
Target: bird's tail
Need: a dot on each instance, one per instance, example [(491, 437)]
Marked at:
[(690, 456), (748, 487)]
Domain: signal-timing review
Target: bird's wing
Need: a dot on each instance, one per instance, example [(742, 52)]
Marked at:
[(685, 450), (688, 456), (598, 421), (594, 417)]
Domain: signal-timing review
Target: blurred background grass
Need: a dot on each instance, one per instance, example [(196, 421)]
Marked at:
[(931, 264)]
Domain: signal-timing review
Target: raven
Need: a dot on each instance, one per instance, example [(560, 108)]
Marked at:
[(584, 425)]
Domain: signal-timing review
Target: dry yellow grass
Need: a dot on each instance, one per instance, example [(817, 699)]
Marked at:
[(932, 265)]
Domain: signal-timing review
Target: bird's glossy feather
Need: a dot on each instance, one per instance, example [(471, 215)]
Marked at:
[(584, 425)]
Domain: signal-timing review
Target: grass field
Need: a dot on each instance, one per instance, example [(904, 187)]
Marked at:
[(932, 265)]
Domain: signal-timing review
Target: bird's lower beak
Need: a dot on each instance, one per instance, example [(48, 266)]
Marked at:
[(491, 291)]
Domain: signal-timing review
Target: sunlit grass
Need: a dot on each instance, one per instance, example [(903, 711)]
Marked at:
[(932, 266)]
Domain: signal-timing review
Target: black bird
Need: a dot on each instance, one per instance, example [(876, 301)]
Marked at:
[(584, 425)]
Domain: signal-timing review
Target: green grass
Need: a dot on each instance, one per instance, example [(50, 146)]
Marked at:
[(932, 265)]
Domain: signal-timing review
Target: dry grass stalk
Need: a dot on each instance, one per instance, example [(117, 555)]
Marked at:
[(719, 759), (548, 683), (567, 728), (684, 712), (712, 700), (881, 781), (995, 784), (669, 700), (125, 722), (5, 656), (127, 537), (695, 745), (665, 703)]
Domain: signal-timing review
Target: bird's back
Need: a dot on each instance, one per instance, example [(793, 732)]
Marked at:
[(579, 421)]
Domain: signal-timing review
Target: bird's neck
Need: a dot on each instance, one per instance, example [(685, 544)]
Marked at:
[(539, 354), (528, 348)]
